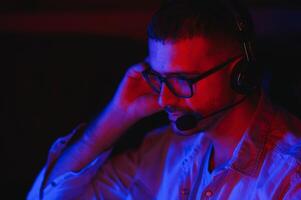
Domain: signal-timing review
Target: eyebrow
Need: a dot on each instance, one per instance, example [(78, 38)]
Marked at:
[(181, 73), (177, 73)]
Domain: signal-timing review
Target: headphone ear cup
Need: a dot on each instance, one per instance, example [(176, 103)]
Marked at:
[(243, 80)]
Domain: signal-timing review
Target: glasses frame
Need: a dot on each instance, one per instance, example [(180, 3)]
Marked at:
[(190, 81)]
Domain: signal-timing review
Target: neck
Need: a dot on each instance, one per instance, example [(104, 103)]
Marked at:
[(226, 135)]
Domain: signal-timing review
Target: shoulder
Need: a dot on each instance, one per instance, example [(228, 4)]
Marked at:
[(283, 158), (286, 134)]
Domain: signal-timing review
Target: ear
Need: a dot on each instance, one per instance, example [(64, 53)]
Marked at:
[(244, 78)]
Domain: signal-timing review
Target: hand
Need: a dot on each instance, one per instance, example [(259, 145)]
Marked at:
[(134, 96), (133, 100)]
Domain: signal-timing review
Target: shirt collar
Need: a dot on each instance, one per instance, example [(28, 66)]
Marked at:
[(249, 153)]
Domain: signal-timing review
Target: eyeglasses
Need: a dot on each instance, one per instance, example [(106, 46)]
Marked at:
[(179, 85)]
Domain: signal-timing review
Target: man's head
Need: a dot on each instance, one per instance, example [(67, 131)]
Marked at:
[(212, 19), (190, 38)]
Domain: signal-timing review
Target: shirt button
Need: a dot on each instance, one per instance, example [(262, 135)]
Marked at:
[(208, 193), (184, 191)]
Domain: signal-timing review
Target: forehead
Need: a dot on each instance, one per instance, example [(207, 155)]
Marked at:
[(187, 55)]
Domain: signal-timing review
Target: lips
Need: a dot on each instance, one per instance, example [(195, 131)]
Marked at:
[(174, 116), (174, 112)]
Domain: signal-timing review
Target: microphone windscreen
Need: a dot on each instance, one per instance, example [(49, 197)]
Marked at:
[(186, 122)]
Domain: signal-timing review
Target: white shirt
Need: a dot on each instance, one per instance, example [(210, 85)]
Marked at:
[(266, 165)]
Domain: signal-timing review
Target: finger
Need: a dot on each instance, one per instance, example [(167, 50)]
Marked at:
[(150, 105), (136, 70), (153, 103)]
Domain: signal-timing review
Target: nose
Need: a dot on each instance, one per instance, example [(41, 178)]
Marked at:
[(166, 97)]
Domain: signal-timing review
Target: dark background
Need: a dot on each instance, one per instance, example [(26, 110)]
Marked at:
[(61, 62)]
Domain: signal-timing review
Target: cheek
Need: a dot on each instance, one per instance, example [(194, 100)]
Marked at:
[(211, 93)]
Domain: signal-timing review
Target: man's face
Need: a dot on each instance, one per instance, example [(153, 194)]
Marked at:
[(189, 58)]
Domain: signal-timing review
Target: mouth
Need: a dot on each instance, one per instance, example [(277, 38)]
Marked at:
[(174, 113), (174, 116)]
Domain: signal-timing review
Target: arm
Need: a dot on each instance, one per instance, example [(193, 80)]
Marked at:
[(133, 100)]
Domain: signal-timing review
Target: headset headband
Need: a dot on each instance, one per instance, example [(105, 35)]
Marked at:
[(243, 29)]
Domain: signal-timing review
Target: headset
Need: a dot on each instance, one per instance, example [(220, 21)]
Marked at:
[(245, 77)]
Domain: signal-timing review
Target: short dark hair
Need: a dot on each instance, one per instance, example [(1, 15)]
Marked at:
[(182, 19)]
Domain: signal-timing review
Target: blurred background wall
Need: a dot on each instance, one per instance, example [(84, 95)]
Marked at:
[(61, 62)]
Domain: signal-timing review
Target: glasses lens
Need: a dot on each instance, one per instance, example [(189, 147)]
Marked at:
[(180, 87)]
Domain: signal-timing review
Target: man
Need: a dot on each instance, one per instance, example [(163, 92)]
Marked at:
[(225, 139)]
